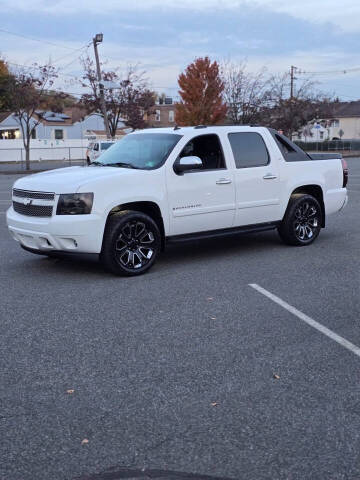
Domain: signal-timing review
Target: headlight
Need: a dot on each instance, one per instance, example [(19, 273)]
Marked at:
[(75, 204)]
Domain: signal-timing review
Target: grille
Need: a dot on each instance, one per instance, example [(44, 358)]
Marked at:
[(33, 210), (36, 195)]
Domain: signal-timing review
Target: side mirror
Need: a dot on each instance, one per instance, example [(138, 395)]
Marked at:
[(188, 163)]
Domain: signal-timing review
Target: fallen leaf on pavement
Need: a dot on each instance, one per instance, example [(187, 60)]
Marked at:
[(85, 441), (214, 404), (213, 318), (210, 298), (276, 376), (70, 391)]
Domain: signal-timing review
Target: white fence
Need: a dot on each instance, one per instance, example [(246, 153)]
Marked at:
[(13, 150)]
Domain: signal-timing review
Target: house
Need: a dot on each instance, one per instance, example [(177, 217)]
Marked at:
[(9, 128), (343, 123), (163, 113), (73, 123)]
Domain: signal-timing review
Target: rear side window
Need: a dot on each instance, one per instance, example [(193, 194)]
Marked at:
[(249, 149), (291, 152)]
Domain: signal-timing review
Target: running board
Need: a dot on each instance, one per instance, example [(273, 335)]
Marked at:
[(190, 237)]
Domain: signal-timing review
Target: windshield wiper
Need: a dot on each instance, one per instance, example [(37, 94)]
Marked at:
[(121, 165), (97, 163)]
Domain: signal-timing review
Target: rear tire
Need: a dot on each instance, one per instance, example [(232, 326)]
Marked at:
[(302, 221), (131, 243)]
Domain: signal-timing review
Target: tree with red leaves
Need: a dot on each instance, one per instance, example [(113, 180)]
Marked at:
[(201, 90)]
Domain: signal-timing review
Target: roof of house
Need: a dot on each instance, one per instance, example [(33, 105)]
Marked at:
[(4, 115), (69, 116), (346, 109)]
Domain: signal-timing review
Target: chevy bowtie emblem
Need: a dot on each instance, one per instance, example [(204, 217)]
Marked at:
[(27, 201)]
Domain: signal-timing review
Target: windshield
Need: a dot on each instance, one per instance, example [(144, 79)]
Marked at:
[(146, 151), (105, 146)]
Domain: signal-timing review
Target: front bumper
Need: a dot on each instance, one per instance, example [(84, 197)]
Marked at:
[(66, 233)]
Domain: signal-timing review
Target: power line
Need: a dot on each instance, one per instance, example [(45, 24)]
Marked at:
[(38, 40), (327, 72), (68, 54)]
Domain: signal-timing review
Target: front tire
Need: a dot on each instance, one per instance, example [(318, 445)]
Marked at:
[(131, 244), (302, 221)]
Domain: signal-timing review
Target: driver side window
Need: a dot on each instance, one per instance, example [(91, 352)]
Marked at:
[(208, 149)]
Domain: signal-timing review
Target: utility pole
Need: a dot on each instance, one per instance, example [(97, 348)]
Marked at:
[(96, 40), (292, 78)]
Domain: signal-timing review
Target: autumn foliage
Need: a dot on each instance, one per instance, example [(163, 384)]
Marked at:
[(201, 94), (3, 68)]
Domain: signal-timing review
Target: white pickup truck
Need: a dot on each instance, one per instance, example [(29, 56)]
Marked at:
[(164, 185)]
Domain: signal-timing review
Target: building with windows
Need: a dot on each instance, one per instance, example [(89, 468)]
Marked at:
[(72, 124), (163, 114), (343, 123)]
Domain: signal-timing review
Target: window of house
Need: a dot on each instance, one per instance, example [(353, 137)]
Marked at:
[(157, 115), (208, 149), (9, 134), (321, 135), (171, 116), (59, 134), (249, 149), (33, 134)]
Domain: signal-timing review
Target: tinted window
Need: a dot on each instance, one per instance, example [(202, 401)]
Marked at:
[(208, 149), (249, 149), (105, 146), (291, 152)]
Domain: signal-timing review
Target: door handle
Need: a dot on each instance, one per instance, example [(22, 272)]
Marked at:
[(223, 181), (269, 176)]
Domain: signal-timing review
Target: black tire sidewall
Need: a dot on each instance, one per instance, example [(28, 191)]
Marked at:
[(287, 230), (114, 225)]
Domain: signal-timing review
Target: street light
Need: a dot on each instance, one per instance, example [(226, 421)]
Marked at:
[(98, 38)]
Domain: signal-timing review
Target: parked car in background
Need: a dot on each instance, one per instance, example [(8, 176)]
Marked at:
[(95, 149), (164, 185)]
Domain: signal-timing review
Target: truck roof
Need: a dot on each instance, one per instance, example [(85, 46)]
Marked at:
[(198, 128)]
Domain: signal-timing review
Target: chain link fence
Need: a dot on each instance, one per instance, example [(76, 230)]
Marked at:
[(330, 146)]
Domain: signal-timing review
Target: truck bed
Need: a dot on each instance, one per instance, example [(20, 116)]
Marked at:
[(324, 156)]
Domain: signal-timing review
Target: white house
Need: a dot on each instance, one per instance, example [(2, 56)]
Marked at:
[(72, 124), (342, 123)]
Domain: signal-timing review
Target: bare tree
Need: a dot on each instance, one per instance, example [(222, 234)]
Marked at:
[(127, 96), (245, 93), (293, 114), (26, 93)]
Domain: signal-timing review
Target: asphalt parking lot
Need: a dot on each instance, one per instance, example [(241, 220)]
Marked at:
[(187, 371)]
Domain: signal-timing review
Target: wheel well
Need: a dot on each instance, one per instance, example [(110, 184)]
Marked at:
[(149, 208), (315, 191)]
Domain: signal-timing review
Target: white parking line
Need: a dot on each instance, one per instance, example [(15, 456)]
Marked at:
[(313, 323)]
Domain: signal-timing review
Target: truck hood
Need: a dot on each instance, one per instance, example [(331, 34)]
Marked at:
[(70, 179)]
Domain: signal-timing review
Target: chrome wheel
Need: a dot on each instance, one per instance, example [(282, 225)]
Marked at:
[(306, 221), (135, 245)]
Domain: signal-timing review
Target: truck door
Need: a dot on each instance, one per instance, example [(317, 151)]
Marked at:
[(257, 179), (201, 199)]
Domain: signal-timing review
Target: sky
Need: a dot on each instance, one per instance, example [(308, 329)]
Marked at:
[(163, 37)]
